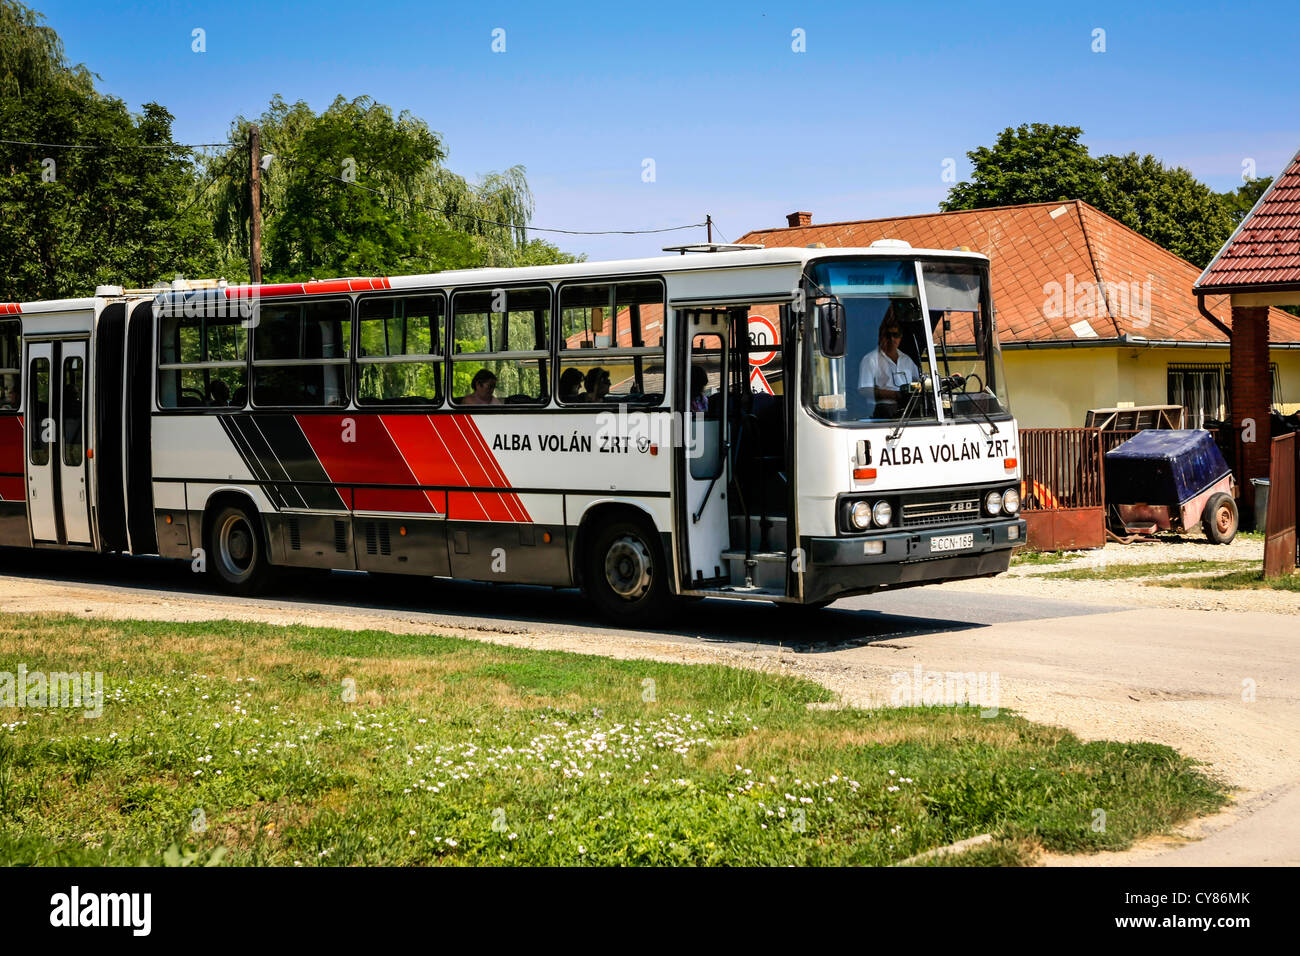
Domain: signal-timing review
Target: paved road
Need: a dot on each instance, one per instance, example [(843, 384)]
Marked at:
[(1220, 686), (514, 608)]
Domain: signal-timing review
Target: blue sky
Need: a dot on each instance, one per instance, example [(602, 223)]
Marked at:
[(738, 124)]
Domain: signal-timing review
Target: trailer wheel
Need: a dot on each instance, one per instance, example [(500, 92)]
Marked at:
[(236, 553), (1219, 520), (626, 576)]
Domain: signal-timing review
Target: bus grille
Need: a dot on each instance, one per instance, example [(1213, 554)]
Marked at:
[(927, 512)]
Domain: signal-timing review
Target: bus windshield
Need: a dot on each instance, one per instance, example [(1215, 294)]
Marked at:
[(887, 343)]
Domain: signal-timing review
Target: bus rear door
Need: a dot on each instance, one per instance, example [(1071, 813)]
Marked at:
[(57, 476)]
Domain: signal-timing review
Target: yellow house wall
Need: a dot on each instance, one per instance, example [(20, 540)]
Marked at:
[(1054, 388)]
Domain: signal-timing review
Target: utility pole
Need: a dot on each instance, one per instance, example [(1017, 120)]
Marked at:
[(255, 210), (708, 221)]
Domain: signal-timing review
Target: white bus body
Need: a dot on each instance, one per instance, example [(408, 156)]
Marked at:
[(665, 426)]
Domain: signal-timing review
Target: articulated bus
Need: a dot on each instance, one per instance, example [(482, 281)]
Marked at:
[(790, 425)]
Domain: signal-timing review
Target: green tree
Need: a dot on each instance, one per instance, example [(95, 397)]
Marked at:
[(1042, 163), (1242, 199), (355, 190), (1168, 206), (1031, 163), (119, 212)]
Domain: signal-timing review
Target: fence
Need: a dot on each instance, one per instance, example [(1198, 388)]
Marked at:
[(1280, 527), (1063, 493)]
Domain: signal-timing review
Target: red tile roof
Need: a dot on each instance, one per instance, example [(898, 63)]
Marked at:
[(1068, 248), (1265, 249)]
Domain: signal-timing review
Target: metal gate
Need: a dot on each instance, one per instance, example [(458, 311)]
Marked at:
[(1062, 492), (1280, 527)]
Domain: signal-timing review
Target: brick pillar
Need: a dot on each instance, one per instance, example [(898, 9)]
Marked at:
[(1252, 395)]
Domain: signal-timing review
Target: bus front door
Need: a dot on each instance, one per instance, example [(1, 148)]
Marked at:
[(704, 514), (57, 475)]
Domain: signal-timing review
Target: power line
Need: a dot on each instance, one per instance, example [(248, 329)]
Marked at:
[(212, 178), (492, 222), (378, 192), (21, 142)]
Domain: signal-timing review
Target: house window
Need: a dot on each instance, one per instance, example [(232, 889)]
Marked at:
[(1205, 391)]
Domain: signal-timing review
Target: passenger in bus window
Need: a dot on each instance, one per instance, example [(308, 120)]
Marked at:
[(885, 372), (11, 396), (597, 383), (218, 393), (699, 381), (481, 389), (571, 386)]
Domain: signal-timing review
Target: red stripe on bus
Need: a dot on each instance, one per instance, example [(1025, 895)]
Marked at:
[(446, 450), (435, 462), (10, 308), (320, 287), (467, 460), (513, 501), (357, 449), (12, 448)]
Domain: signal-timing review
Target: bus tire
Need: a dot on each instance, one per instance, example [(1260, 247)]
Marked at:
[(237, 557), (1219, 520), (625, 574)]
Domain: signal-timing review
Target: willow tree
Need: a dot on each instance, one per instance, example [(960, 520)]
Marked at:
[(117, 211), (356, 190)]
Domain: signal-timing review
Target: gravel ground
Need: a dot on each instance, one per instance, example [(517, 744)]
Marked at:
[(1034, 580)]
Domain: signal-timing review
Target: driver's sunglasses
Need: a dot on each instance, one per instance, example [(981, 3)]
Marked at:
[(893, 333)]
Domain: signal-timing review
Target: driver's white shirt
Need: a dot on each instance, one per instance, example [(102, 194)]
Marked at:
[(880, 370)]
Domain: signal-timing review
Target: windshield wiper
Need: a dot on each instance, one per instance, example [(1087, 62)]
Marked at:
[(918, 391), (948, 386)]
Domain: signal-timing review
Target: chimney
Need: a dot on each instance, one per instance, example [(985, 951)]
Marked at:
[(799, 219)]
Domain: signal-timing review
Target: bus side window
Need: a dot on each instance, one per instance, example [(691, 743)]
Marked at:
[(399, 360), (612, 344), (11, 363), (506, 334), (300, 354)]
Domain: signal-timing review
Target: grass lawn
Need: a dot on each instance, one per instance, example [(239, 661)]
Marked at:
[(1239, 580), (1113, 572), (239, 743), (1042, 557)]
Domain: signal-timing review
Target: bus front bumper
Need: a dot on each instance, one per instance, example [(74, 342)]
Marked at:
[(843, 566)]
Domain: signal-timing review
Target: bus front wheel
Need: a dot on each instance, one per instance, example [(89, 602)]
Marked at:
[(236, 553), (625, 573)]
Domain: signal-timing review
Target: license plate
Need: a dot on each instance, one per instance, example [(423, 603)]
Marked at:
[(952, 542)]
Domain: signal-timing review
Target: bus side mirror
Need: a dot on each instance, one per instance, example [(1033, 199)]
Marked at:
[(830, 327)]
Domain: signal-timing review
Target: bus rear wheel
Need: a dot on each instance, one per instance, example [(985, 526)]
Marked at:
[(625, 574), (236, 553)]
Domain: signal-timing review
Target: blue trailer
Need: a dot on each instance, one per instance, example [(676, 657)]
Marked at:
[(1168, 480)]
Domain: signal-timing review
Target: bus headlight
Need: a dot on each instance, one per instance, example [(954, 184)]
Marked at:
[(861, 515), (1011, 501), (882, 513), (993, 502)]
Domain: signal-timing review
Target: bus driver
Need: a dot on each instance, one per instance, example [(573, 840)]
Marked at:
[(885, 371)]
